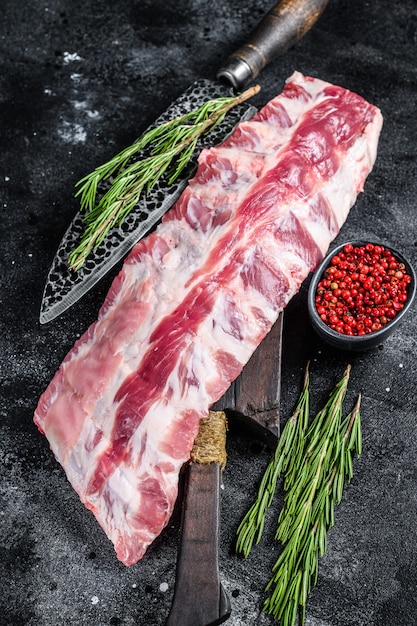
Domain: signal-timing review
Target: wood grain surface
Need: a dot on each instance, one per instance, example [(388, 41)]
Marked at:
[(254, 396)]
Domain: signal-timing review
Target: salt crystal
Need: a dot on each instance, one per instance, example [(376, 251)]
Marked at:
[(70, 57)]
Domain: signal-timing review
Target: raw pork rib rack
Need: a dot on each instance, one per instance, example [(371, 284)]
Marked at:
[(195, 298)]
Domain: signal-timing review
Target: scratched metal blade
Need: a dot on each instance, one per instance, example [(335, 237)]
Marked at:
[(64, 286)]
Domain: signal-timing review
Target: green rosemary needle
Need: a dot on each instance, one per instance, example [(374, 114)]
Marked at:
[(169, 148)]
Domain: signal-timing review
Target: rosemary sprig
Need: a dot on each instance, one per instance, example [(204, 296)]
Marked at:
[(284, 461), (303, 524), (169, 146), (314, 484)]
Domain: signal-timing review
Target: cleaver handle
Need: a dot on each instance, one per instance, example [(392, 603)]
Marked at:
[(281, 28), (199, 598)]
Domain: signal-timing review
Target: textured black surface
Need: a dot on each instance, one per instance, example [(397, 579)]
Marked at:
[(79, 81)]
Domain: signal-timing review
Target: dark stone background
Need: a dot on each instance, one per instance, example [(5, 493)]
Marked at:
[(79, 80)]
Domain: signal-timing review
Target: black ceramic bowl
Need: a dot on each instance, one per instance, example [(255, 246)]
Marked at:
[(364, 342)]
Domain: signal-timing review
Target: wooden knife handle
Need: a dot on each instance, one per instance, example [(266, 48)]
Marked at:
[(199, 598), (281, 28)]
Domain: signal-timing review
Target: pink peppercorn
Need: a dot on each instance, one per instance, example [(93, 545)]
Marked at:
[(362, 289)]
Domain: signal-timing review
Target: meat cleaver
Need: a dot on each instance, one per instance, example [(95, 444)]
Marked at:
[(199, 597), (282, 27)]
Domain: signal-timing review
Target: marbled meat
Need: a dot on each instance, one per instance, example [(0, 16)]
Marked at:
[(196, 297)]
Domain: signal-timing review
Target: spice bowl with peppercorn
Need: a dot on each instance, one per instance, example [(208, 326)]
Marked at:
[(359, 294)]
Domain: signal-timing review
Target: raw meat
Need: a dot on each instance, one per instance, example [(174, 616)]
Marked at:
[(196, 297)]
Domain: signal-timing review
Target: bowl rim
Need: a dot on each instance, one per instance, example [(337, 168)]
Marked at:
[(317, 275)]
